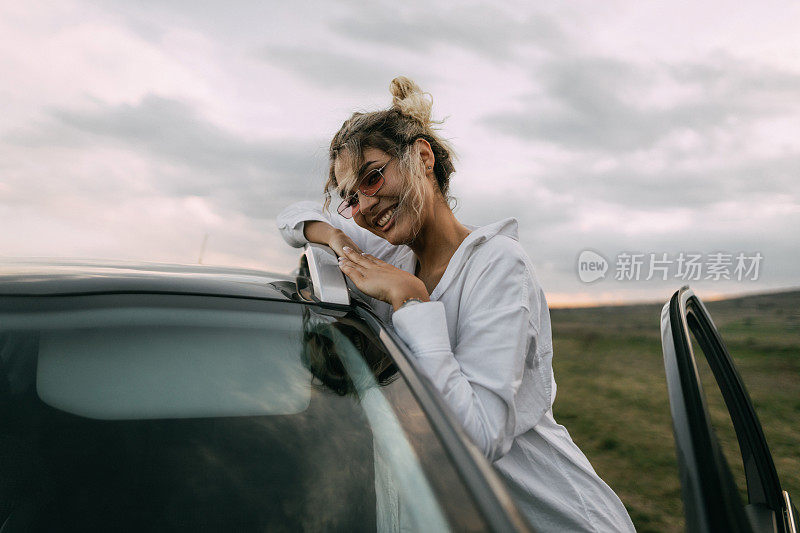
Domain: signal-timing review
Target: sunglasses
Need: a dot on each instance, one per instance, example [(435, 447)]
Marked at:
[(369, 185)]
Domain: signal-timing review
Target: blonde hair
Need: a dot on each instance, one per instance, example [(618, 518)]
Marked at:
[(395, 131)]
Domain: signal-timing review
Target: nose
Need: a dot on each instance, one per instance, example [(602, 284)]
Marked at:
[(366, 203)]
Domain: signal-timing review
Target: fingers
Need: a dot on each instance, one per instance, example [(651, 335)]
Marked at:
[(361, 258), (350, 268), (370, 258), (356, 257), (350, 243)]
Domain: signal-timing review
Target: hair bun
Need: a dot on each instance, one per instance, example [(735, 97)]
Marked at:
[(409, 99)]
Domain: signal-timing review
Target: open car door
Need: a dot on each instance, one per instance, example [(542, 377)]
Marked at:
[(711, 499)]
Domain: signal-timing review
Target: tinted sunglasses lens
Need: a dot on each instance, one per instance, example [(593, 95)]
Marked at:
[(372, 183), (347, 210)]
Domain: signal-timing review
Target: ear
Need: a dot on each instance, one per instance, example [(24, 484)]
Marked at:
[(426, 154)]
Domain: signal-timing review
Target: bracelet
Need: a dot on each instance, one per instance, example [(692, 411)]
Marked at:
[(409, 301)]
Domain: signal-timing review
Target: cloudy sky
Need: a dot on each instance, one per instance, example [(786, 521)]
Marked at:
[(131, 130)]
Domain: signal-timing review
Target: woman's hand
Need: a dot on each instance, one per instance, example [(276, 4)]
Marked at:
[(338, 240), (381, 280)]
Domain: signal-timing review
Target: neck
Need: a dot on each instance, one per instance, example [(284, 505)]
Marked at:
[(439, 238)]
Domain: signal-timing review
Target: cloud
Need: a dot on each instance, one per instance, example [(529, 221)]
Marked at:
[(253, 176), (693, 186), (481, 28), (328, 69), (174, 130), (610, 105)]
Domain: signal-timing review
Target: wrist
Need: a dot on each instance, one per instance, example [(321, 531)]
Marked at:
[(334, 234), (320, 232), (411, 291)]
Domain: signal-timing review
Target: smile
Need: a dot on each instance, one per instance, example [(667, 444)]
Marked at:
[(385, 219)]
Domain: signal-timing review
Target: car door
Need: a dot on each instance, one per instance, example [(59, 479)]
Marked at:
[(710, 496)]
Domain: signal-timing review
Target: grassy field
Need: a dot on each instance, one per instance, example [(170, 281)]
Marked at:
[(612, 395)]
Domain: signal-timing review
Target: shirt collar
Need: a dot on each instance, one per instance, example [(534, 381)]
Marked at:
[(478, 235)]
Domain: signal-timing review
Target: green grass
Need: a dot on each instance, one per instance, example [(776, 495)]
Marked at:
[(612, 395)]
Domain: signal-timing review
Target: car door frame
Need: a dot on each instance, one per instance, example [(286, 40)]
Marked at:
[(711, 500)]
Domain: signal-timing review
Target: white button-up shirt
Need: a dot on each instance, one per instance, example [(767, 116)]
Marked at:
[(484, 342)]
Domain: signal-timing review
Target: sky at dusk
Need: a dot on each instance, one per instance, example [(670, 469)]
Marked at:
[(133, 130)]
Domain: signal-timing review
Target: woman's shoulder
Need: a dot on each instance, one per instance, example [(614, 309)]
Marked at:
[(498, 243), (496, 257)]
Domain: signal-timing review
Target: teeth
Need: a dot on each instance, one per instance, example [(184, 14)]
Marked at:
[(385, 218)]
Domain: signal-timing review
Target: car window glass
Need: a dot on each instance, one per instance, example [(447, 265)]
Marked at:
[(443, 477), (405, 499), (458, 505), (337, 458), (720, 420)]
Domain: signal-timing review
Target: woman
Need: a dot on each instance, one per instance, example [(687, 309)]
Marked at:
[(464, 299)]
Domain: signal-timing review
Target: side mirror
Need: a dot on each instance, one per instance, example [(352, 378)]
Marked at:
[(320, 279)]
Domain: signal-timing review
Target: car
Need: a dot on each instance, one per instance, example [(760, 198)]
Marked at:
[(192, 398), (195, 398)]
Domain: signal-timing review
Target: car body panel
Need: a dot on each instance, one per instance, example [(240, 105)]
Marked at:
[(45, 277)]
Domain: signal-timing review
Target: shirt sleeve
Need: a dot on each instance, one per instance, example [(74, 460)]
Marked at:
[(478, 379), (291, 223)]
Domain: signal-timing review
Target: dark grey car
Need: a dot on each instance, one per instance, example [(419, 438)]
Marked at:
[(182, 398)]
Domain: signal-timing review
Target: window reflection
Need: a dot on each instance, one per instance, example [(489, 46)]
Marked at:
[(322, 341), (321, 357), (345, 358)]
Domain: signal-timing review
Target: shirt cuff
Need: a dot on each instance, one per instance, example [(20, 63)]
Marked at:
[(298, 233), (423, 327), (294, 235)]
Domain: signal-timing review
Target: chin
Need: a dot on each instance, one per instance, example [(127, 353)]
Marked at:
[(393, 240), (393, 237), (399, 235)]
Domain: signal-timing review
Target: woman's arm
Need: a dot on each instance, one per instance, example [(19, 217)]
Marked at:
[(479, 377), (324, 233), (306, 221)]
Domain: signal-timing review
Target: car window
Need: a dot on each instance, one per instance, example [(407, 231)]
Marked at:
[(441, 473), (193, 413), (459, 506)]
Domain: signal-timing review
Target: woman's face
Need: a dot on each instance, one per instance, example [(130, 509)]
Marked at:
[(379, 213)]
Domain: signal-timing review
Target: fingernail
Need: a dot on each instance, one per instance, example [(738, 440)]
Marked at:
[(347, 249), (363, 253)]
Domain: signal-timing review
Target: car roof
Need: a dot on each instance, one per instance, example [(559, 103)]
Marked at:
[(43, 277)]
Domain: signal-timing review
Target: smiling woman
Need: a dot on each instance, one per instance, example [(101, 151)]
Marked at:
[(404, 133), (463, 298)]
